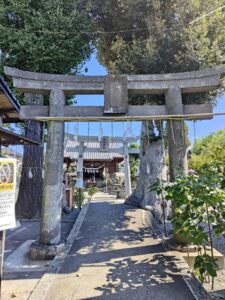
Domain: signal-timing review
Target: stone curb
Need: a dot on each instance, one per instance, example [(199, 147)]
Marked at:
[(192, 282), (46, 281)]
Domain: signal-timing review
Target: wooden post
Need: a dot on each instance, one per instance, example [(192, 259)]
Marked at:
[(51, 202), (176, 135)]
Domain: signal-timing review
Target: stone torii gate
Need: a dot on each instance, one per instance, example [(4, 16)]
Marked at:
[(115, 89), (105, 147)]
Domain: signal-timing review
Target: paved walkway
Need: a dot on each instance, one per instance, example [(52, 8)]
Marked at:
[(21, 274), (115, 256)]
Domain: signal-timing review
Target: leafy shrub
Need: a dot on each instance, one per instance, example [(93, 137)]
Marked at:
[(91, 191), (79, 198), (198, 202)]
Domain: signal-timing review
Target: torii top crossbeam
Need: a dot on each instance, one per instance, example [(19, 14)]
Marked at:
[(116, 89), (188, 82)]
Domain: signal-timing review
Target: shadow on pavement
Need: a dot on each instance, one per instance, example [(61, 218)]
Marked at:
[(129, 278), (130, 261)]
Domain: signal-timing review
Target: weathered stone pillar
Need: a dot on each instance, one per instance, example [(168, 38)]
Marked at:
[(128, 189), (80, 162), (49, 243), (176, 135), (176, 147)]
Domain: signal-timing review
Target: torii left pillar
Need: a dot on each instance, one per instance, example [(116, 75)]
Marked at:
[(49, 243)]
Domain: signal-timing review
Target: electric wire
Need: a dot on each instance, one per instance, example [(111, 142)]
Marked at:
[(110, 32)]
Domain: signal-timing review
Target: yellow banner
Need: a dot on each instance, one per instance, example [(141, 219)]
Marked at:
[(7, 193), (7, 174)]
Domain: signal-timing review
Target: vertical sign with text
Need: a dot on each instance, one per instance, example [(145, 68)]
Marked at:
[(7, 193)]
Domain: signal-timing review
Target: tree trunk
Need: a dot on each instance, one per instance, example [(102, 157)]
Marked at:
[(152, 167), (31, 185)]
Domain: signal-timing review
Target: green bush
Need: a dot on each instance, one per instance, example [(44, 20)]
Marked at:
[(79, 198), (198, 202), (91, 191)]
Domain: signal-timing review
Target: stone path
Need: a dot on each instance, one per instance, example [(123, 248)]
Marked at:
[(115, 256)]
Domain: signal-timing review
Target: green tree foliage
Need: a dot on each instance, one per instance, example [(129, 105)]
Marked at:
[(209, 150), (157, 36), (207, 34), (134, 162), (44, 36), (91, 192), (79, 198)]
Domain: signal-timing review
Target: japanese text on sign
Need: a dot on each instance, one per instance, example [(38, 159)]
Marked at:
[(7, 193)]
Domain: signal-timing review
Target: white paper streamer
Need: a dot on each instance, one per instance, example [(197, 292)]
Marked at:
[(148, 169), (124, 132), (101, 132), (76, 131), (30, 174)]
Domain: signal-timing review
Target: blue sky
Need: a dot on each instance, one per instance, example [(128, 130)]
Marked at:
[(202, 128)]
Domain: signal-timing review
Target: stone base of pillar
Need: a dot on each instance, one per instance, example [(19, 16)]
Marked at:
[(45, 252)]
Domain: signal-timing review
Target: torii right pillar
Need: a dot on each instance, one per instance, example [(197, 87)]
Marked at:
[(176, 135)]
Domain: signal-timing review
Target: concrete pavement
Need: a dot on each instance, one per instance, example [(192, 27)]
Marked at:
[(116, 256), (21, 274)]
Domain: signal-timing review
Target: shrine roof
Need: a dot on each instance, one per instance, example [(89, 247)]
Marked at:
[(94, 156), (9, 106), (8, 137), (9, 110), (71, 151), (90, 144)]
